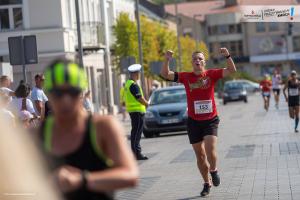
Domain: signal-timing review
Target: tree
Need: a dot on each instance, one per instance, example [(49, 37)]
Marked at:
[(125, 32), (150, 43), (166, 40)]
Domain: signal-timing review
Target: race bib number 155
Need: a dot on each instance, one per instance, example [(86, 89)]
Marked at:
[(203, 107)]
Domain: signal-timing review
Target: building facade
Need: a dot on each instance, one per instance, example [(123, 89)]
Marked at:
[(54, 24), (257, 48)]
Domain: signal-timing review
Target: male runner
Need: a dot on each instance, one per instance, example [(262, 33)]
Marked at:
[(276, 81), (266, 86), (292, 98), (203, 118)]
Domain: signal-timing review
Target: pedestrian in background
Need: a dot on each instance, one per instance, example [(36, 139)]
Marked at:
[(87, 104), (4, 112), (122, 102), (38, 96), (136, 107), (89, 152), (5, 83), (22, 102)]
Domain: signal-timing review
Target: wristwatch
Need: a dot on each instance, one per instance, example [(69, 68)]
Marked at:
[(228, 56)]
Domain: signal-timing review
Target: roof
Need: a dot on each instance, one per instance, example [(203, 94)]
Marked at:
[(157, 9), (170, 88), (203, 8)]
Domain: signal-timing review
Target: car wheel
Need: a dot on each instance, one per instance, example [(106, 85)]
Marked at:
[(148, 134), (224, 102), (246, 100), (157, 134)]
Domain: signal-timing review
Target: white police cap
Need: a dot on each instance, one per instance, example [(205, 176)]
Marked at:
[(134, 68)]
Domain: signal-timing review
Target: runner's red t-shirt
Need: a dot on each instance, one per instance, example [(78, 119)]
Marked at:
[(266, 85), (200, 93)]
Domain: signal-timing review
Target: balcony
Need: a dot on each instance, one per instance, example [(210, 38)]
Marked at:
[(92, 34)]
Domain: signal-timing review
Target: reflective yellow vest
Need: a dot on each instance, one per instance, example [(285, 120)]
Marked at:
[(132, 104)]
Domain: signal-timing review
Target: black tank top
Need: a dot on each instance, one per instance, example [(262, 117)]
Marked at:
[(293, 86), (86, 157)]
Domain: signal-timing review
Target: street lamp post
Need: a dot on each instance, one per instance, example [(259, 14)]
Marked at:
[(80, 51), (196, 30), (140, 43), (178, 35)]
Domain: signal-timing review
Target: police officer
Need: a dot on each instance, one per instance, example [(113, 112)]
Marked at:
[(136, 107)]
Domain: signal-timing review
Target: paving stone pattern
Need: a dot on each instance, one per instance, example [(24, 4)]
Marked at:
[(258, 159)]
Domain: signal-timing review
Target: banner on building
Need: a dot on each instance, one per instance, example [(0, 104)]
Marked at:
[(270, 13)]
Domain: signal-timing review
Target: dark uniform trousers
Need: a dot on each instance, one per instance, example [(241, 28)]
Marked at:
[(137, 121)]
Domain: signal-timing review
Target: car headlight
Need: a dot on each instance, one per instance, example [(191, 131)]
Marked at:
[(149, 114), (244, 93), (225, 94)]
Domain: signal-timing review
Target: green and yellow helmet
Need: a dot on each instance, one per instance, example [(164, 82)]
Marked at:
[(62, 72)]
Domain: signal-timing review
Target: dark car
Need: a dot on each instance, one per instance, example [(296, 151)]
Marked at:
[(167, 111), (234, 91)]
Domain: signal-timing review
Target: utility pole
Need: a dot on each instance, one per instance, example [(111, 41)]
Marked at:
[(108, 72), (80, 51), (196, 30), (137, 14), (178, 36)]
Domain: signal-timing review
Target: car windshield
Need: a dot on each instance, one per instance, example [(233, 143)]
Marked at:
[(233, 86), (168, 96)]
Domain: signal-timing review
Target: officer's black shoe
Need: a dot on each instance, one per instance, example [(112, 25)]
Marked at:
[(141, 157), (206, 190), (215, 178)]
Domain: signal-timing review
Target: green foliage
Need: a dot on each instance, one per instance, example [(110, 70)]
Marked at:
[(150, 44), (126, 37), (156, 40), (188, 46)]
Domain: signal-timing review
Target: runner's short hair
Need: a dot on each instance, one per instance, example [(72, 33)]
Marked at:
[(196, 52)]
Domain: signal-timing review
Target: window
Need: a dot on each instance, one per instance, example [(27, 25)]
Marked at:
[(231, 28), (260, 27), (10, 2), (240, 48), (4, 19), (11, 16), (223, 29), (18, 18), (238, 28), (296, 42), (273, 26), (212, 30)]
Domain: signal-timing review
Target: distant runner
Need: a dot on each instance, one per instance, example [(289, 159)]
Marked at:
[(266, 86), (276, 81), (292, 98)]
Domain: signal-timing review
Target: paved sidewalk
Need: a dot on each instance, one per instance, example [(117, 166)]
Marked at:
[(258, 159)]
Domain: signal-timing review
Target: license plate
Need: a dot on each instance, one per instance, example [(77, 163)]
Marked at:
[(170, 121), (234, 97)]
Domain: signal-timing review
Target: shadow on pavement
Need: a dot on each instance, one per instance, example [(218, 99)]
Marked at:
[(190, 198)]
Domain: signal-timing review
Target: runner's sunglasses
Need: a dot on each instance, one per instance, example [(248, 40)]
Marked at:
[(72, 92)]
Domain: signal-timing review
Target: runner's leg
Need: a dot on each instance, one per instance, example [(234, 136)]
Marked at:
[(296, 109), (202, 160), (291, 112), (210, 144)]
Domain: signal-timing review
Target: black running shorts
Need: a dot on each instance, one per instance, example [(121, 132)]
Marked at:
[(197, 130), (293, 101), (276, 91)]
